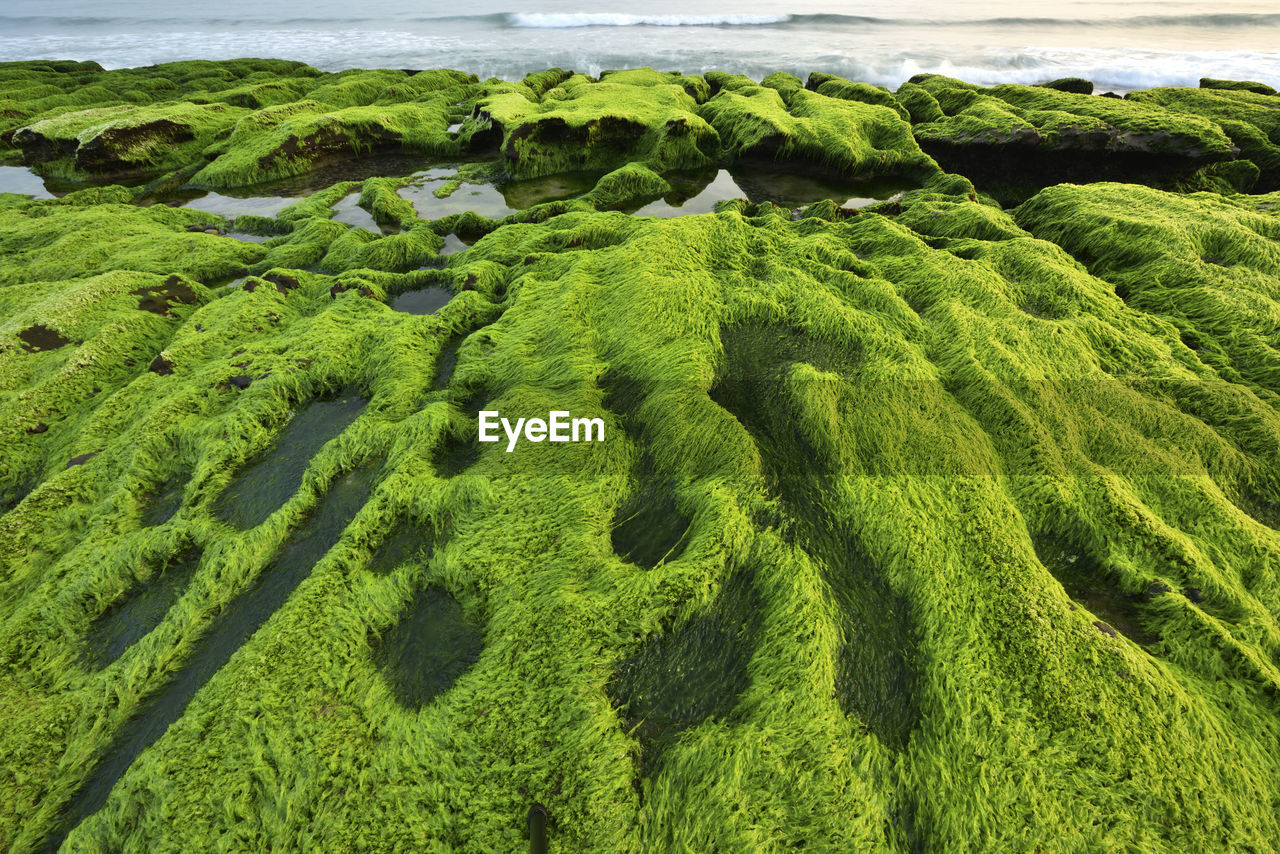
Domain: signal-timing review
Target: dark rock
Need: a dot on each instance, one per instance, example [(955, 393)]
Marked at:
[(39, 337), (1237, 85), (1154, 589), (283, 283), (1075, 85), (162, 366), (1104, 628), (40, 427), (158, 299), (82, 459), (1194, 594), (241, 382)]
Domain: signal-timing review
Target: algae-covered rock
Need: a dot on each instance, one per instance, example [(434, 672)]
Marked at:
[(1251, 120), (849, 90), (850, 138), (1076, 85), (900, 519), (1237, 85), (126, 140), (580, 125), (62, 241), (1207, 263), (1033, 135), (288, 140)]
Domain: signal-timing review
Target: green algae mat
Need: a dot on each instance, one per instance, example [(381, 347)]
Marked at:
[(946, 520)]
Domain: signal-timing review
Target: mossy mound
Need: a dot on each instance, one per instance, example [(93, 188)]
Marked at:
[(580, 125), (30, 91), (124, 141), (1237, 85), (847, 136), (1250, 119), (1029, 135), (923, 526)]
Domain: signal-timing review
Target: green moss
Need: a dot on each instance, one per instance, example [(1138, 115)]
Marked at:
[(1064, 120), (848, 90), (581, 126), (921, 106), (904, 519), (852, 138), (1251, 120), (378, 196), (1236, 85), (631, 184), (125, 139), (287, 141), (48, 241)]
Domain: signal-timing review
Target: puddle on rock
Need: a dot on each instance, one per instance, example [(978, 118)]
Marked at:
[(876, 675), (426, 300), (483, 199), (649, 528), (231, 206), (229, 632), (551, 188), (690, 673), (1092, 587), (24, 182), (453, 243), (492, 200), (250, 238), (432, 645), (263, 487), (348, 211), (390, 163), (698, 192), (793, 189), (38, 338), (160, 506), (693, 193), (408, 542), (447, 361), (138, 613)]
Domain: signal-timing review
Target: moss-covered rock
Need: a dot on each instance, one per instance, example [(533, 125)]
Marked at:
[(1251, 120), (1237, 85), (1028, 135), (288, 140), (904, 517), (1076, 85), (124, 141), (580, 125), (850, 90), (848, 137)]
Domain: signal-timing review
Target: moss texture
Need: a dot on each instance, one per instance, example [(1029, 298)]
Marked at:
[(932, 526), (1250, 119), (1034, 134)]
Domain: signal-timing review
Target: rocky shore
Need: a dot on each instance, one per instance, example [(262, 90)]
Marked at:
[(938, 507)]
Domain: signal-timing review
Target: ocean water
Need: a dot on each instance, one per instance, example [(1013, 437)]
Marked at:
[(1120, 46)]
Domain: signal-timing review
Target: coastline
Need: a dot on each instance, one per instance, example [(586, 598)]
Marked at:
[(935, 505)]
